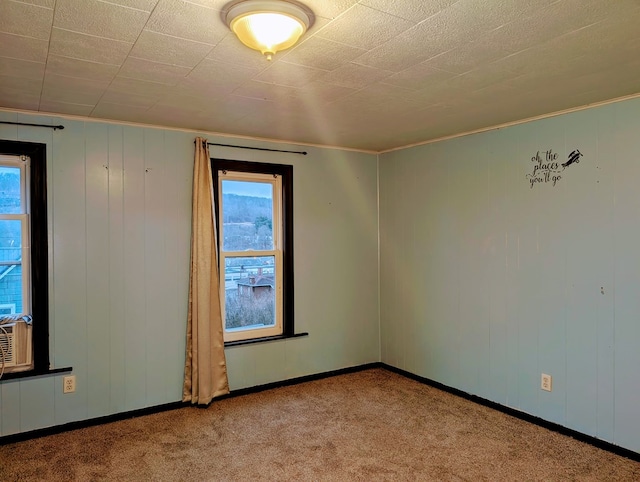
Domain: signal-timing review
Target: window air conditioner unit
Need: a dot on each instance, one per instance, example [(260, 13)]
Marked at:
[(8, 356)]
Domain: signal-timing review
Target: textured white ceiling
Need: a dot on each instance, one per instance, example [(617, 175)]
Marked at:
[(369, 74)]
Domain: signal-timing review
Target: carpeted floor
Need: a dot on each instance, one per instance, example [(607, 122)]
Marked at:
[(366, 426)]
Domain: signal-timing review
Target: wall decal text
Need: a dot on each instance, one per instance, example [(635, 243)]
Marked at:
[(547, 168)]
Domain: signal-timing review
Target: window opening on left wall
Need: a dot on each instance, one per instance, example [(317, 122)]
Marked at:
[(23, 259)]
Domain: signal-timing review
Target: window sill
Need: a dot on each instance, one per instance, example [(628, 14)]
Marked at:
[(228, 344), (34, 373)]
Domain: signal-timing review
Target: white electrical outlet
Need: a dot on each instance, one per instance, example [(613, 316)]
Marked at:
[(545, 383), (69, 384)]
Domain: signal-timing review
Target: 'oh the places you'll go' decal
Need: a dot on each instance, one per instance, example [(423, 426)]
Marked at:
[(547, 168)]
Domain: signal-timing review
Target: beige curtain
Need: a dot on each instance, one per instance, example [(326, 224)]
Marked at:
[(205, 373)]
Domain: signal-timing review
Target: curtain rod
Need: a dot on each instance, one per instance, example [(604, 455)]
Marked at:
[(304, 153), (32, 125)]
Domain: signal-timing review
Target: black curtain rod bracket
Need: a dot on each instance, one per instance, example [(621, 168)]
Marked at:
[(303, 153), (32, 125)]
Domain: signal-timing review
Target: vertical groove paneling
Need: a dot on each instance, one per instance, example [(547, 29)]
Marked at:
[(36, 403), (587, 211), (10, 393), (473, 321), (529, 273), (554, 226), (495, 248), (440, 269), (134, 269), (605, 232), (522, 280), (393, 337), (418, 350), (386, 276), (177, 215), (120, 229), (98, 346), (449, 247), (116, 289), (69, 276), (507, 147), (155, 254), (267, 362), (627, 277), (406, 284), (421, 341)]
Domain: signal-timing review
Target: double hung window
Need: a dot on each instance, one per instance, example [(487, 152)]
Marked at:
[(23, 258), (14, 235), (255, 249)]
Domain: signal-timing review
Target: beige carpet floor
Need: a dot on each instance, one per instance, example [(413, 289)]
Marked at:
[(366, 426)]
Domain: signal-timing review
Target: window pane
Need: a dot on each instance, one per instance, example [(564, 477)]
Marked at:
[(11, 263), (247, 215), (10, 190), (250, 292)]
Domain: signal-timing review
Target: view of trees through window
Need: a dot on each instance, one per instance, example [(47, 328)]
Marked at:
[(247, 217), (247, 222)]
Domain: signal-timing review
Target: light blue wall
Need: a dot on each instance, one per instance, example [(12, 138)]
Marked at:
[(486, 282), (119, 234)]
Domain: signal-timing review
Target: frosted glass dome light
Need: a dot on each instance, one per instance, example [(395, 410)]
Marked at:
[(268, 25)]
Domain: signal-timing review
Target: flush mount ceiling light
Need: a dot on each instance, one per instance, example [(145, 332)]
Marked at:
[(268, 25)]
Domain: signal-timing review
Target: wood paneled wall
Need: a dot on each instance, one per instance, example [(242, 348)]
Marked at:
[(487, 282), (119, 243)]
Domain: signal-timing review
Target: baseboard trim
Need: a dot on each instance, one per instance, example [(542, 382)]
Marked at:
[(298, 380), (596, 442), (67, 427)]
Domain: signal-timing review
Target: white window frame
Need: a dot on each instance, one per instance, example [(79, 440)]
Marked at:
[(24, 164), (247, 333)]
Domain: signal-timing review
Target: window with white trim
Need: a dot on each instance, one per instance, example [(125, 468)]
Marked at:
[(14, 233), (23, 258), (255, 248)]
